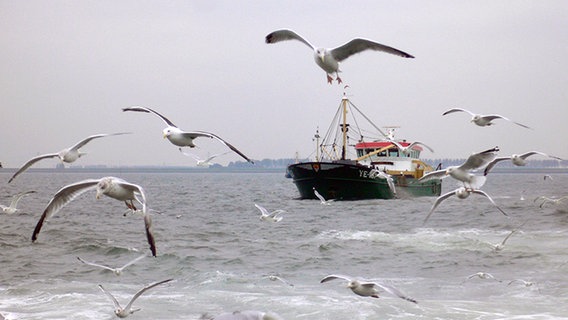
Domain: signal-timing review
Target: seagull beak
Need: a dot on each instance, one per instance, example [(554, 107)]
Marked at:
[(98, 195)]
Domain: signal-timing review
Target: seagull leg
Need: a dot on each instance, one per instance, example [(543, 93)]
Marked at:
[(329, 79), (339, 81), (130, 205)]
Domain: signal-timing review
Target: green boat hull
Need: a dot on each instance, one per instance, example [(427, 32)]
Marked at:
[(346, 180)]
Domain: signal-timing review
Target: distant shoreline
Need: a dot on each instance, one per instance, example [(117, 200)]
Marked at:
[(182, 169)]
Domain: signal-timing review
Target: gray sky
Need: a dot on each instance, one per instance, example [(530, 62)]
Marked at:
[(68, 67)]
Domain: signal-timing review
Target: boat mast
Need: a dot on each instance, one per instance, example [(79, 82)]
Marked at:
[(344, 127), (317, 139)]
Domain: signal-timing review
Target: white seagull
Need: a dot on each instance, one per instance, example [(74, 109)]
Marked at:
[(67, 155), (461, 193), (202, 162), (328, 59), (273, 216), (13, 205), (406, 150), (116, 271), (182, 138), (383, 175), (115, 188), (463, 171), (482, 120), (367, 288), (277, 278), (321, 198), (481, 275), (126, 311), (555, 201), (516, 159)]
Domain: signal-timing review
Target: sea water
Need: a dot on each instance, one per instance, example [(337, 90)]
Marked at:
[(211, 241)]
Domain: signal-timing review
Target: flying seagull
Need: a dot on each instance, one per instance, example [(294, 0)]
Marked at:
[(516, 159), (383, 175), (463, 171), (554, 201), (366, 288), (182, 138), (116, 271), (481, 275), (67, 155), (115, 188), (13, 205), (321, 198), (328, 59), (461, 193), (406, 150), (273, 216), (202, 162), (482, 120), (126, 311)]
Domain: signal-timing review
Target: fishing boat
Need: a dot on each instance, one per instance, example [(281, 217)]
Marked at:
[(382, 167)]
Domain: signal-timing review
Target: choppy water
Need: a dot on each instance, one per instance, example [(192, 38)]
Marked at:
[(212, 243)]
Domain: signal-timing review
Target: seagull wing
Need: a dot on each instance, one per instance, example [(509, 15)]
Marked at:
[(322, 199), (148, 110), (262, 209), (437, 203), (333, 277), (112, 298), (195, 157), (285, 34), (195, 134), (420, 143), (479, 160), (530, 153), (458, 110), (62, 198), (491, 164), (31, 162), (358, 45), (95, 136), (141, 291), (438, 174), (215, 156), (394, 291), (149, 234), (481, 192), (132, 262), (95, 264), (17, 198)]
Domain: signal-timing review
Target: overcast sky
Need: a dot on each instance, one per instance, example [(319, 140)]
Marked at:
[(68, 67)]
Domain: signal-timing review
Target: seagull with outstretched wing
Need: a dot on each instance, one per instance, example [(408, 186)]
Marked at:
[(327, 58)]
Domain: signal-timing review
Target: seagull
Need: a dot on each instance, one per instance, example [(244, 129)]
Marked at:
[(461, 193), (328, 59), (551, 200), (499, 246), (406, 150), (115, 188), (126, 311), (383, 175), (524, 283), (273, 216), (67, 155), (517, 159), (482, 120), (12, 208), (481, 275), (366, 288), (244, 315), (547, 176), (322, 199), (277, 278), (201, 162), (116, 271), (182, 138), (462, 172)]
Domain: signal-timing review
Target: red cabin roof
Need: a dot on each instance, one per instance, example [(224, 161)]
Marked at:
[(382, 144)]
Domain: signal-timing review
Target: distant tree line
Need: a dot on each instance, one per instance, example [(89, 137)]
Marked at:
[(446, 162)]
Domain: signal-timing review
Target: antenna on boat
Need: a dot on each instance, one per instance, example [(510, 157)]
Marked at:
[(317, 140), (390, 131)]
